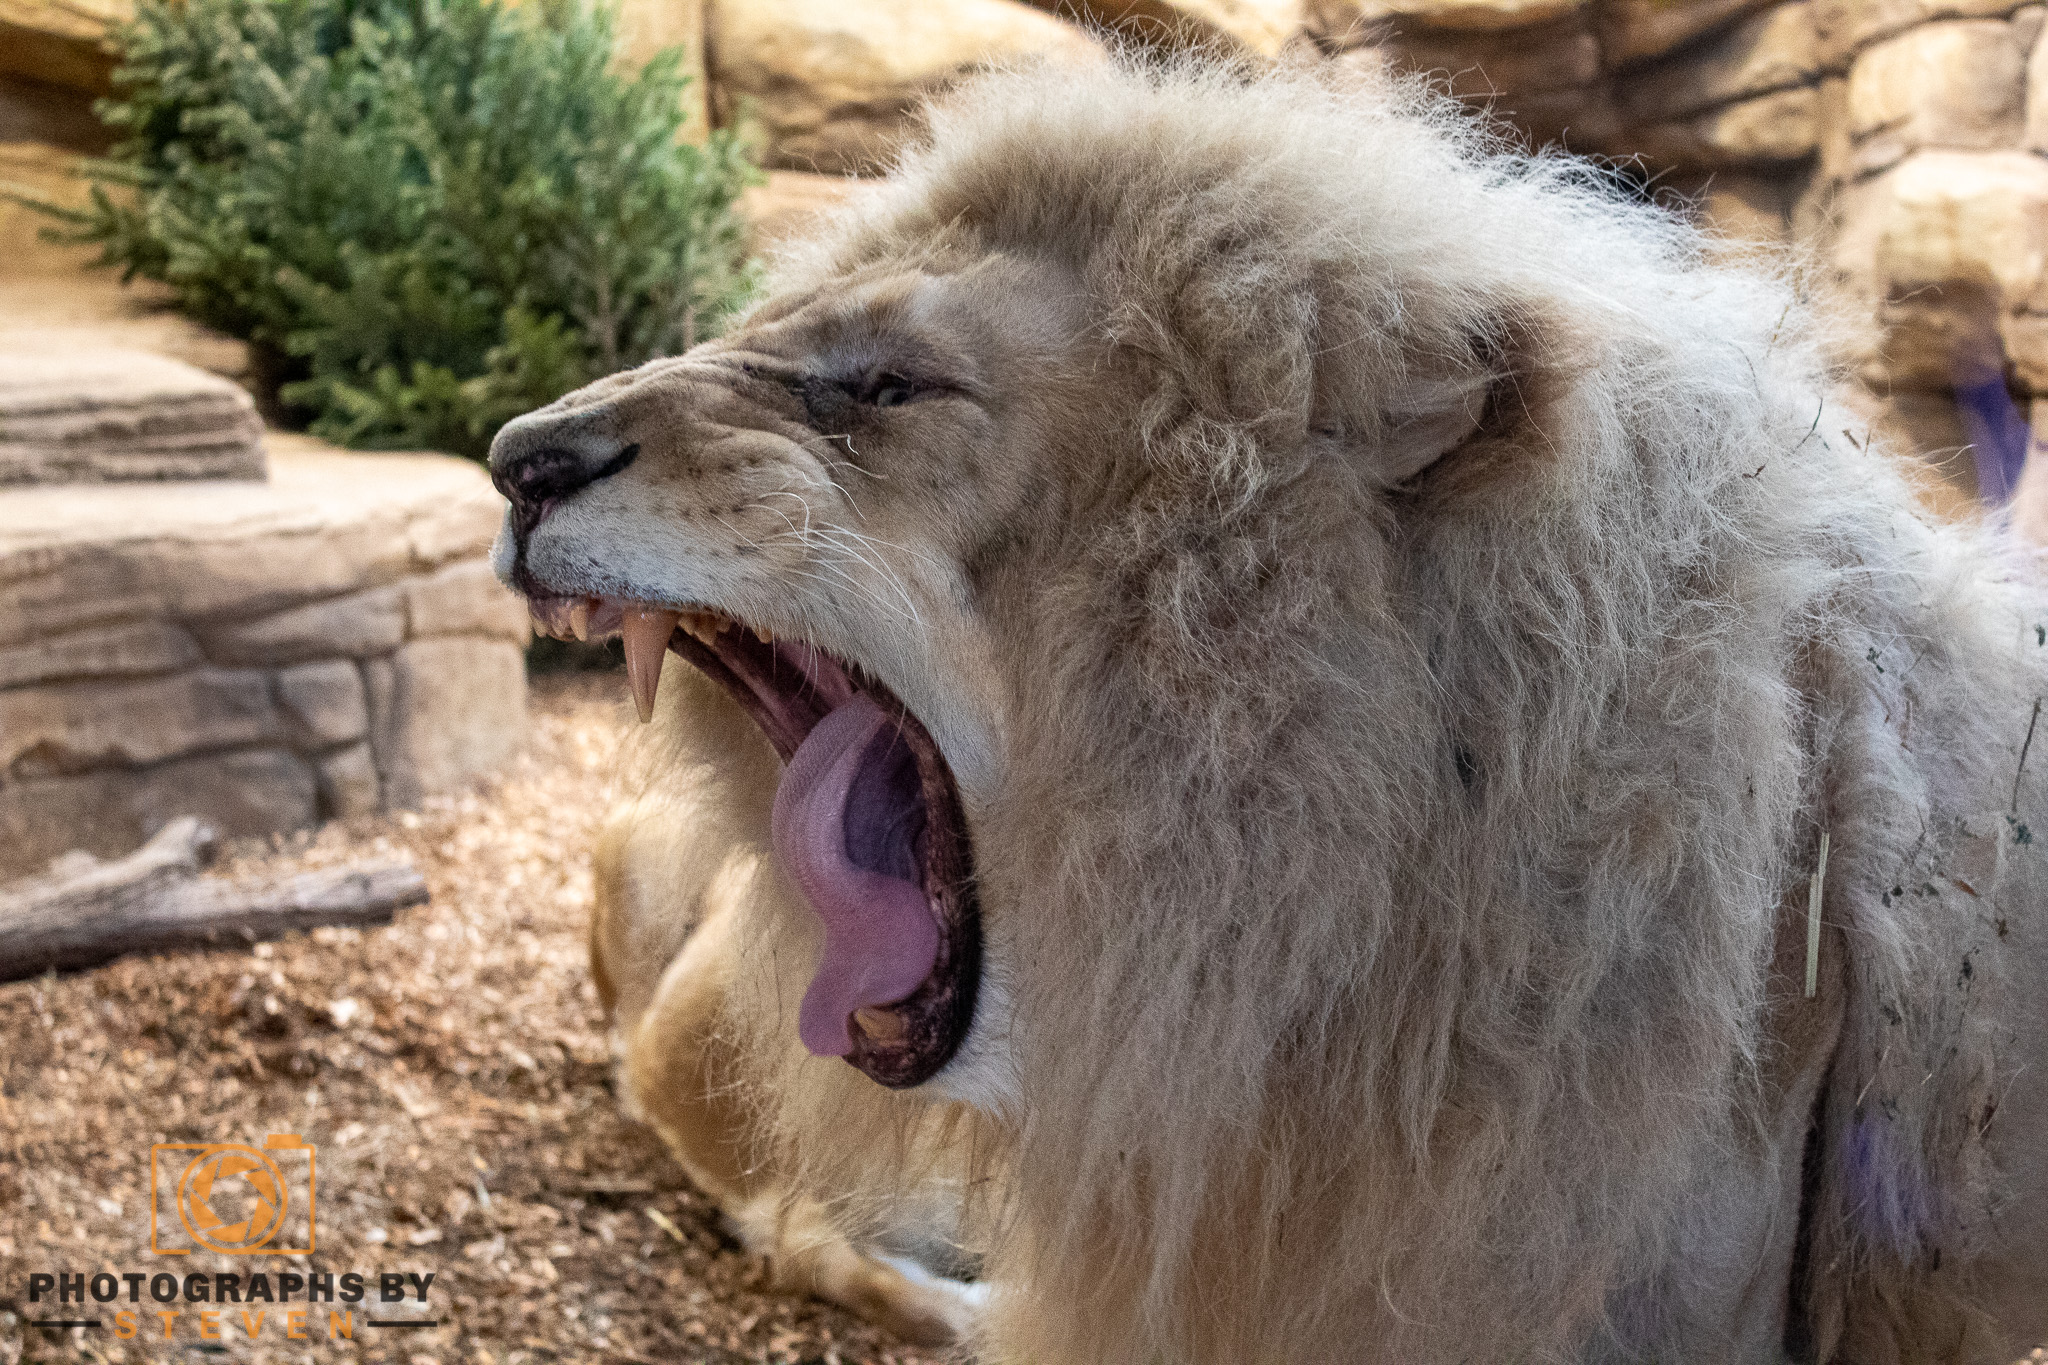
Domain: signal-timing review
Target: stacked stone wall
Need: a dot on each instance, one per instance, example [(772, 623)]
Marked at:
[(261, 654)]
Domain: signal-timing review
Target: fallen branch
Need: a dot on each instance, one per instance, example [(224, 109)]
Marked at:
[(84, 912)]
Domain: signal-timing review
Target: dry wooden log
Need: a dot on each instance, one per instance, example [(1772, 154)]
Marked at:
[(84, 912)]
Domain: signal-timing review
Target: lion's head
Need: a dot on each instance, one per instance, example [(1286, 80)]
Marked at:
[(1279, 633)]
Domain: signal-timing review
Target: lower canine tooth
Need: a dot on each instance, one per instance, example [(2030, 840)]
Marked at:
[(644, 631), (884, 1026), (579, 618)]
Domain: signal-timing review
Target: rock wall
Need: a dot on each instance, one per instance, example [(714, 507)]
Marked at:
[(1904, 143), (260, 653)]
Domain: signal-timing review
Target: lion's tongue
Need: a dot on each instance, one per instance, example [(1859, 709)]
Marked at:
[(844, 827)]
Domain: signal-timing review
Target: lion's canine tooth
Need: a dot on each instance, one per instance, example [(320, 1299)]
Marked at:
[(579, 618), (767, 635), (644, 631), (884, 1026)]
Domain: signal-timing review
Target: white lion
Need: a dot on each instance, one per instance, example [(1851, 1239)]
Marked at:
[(1347, 762)]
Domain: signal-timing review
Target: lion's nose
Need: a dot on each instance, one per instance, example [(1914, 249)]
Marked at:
[(535, 468)]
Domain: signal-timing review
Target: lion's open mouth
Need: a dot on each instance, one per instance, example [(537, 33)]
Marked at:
[(867, 822)]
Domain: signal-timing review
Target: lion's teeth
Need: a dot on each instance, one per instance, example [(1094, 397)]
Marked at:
[(702, 625), (645, 631), (884, 1026), (767, 635), (579, 618)]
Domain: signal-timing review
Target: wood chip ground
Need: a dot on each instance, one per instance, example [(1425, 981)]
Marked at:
[(451, 1071)]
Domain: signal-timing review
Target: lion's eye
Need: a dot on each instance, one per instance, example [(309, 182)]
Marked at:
[(887, 390)]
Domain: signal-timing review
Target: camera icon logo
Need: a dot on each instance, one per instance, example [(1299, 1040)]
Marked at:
[(232, 1198)]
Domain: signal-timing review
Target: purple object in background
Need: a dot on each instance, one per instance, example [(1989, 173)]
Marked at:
[(1997, 432)]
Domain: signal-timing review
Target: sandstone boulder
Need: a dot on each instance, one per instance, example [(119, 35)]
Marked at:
[(1229, 26), (348, 783), (1743, 208), (323, 704), (1959, 84), (1543, 81), (646, 27), (1346, 23), (443, 711), (53, 730), (1632, 31), (1843, 28), (357, 625), (2030, 497), (1949, 250), (835, 83), (1481, 66), (1765, 53), (111, 811), (1981, 219), (62, 42), (465, 599), (790, 204), (2037, 94), (1770, 130), (73, 556), (105, 415), (135, 649), (248, 652)]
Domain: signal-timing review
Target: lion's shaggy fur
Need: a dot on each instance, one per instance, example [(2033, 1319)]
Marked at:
[(1389, 865)]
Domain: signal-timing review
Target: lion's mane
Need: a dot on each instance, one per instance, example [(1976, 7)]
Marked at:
[(1386, 874)]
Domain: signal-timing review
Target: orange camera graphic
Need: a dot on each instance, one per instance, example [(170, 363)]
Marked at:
[(232, 1198)]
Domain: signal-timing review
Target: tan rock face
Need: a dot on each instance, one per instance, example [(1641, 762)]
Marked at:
[(835, 83), (790, 204), (1956, 218), (61, 41), (52, 730), (1746, 208), (1256, 26), (1478, 66), (107, 415), (248, 652), (1773, 129), (111, 811), (1845, 27), (134, 649), (323, 704), (1632, 31), (357, 625), (1347, 22), (646, 27), (2037, 94), (1767, 52), (465, 599), (1950, 252), (451, 708), (82, 555), (1959, 84)]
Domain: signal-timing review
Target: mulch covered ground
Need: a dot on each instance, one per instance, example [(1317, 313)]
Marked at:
[(451, 1072)]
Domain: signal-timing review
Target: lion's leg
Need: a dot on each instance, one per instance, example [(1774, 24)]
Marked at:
[(669, 986), (684, 1077)]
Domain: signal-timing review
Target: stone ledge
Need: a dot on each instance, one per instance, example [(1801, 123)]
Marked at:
[(257, 654), (326, 523), (106, 414)]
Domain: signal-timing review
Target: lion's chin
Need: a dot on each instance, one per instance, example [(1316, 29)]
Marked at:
[(867, 823)]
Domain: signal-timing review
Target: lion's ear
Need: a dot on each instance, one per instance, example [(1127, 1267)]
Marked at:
[(1432, 419)]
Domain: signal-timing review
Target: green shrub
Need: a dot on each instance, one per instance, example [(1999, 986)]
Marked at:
[(435, 213)]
